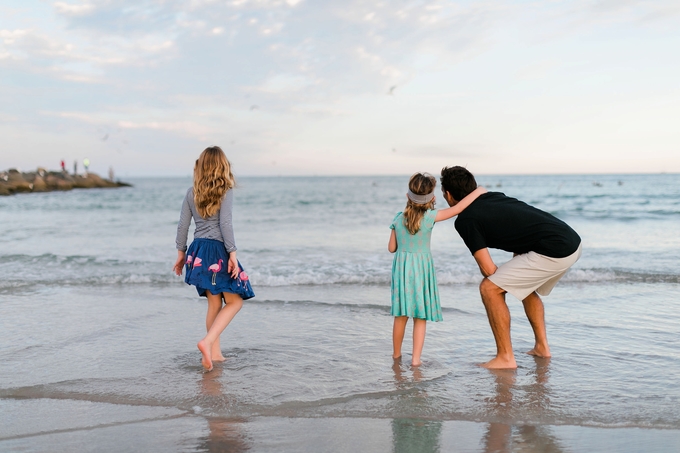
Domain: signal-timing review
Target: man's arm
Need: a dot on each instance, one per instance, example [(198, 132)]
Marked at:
[(484, 261)]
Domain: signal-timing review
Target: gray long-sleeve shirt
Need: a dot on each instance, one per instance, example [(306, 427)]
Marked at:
[(218, 226)]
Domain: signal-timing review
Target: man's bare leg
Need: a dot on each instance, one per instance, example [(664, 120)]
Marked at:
[(497, 311), (533, 307)]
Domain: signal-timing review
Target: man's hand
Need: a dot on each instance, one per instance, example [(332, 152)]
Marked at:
[(484, 261)]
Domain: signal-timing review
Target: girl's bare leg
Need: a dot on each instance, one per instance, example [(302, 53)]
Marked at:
[(214, 307), (398, 330), (418, 340), (232, 305)]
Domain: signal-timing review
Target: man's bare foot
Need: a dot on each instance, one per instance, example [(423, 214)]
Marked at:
[(206, 360), (540, 351), (500, 363)]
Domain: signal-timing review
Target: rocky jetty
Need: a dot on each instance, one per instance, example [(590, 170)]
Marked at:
[(13, 181)]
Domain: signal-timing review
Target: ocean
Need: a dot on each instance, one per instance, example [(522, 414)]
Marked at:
[(98, 336)]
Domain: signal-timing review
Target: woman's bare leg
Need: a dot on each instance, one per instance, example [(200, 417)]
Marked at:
[(232, 305), (398, 330), (214, 307), (419, 326)]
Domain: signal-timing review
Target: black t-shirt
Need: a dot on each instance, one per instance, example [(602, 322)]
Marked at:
[(500, 222)]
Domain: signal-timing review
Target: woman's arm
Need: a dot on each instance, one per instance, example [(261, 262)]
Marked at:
[(392, 245), (445, 214)]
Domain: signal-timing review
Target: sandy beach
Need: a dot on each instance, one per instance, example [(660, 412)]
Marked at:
[(98, 347), (67, 426)]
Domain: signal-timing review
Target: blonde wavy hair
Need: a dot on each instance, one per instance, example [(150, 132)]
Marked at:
[(212, 179), (419, 184)]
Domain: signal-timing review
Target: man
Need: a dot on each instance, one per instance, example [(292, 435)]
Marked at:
[(544, 249)]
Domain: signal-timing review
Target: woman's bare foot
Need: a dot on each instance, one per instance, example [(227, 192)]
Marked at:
[(500, 363), (206, 360)]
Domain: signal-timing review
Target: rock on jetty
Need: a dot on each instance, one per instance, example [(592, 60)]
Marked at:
[(12, 181)]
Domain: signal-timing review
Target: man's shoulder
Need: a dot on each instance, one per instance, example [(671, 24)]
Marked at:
[(481, 204), (499, 200)]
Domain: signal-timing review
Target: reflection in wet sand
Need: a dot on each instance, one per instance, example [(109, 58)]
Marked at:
[(408, 434), (501, 436), (225, 433), (412, 435)]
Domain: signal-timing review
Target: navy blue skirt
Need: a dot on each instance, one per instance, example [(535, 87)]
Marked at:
[(206, 269)]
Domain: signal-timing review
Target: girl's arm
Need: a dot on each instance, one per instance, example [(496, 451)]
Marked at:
[(227, 230), (182, 234), (392, 245), (226, 226), (183, 224), (177, 268), (445, 214)]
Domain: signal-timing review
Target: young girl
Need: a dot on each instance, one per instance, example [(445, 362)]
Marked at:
[(414, 283), (210, 261)]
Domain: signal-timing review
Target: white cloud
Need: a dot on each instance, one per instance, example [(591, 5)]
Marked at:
[(471, 76), (74, 10)]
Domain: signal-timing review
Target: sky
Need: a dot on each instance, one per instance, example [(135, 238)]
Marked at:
[(341, 87)]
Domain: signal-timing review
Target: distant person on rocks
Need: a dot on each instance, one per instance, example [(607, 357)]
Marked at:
[(63, 166), (414, 282), (111, 174), (75, 168), (543, 247), (210, 261), (86, 164)]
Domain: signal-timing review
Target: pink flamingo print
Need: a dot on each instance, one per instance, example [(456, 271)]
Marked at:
[(242, 279), (215, 268), (189, 260), (197, 262)]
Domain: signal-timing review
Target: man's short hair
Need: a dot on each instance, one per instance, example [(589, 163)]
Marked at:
[(458, 181)]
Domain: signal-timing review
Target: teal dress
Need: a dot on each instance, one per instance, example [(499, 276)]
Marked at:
[(414, 282)]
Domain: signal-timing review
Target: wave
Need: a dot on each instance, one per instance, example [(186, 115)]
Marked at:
[(23, 271), (575, 276)]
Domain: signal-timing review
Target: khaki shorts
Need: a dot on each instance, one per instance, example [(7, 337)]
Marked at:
[(530, 272)]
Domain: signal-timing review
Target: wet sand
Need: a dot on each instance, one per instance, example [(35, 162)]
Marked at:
[(42, 425)]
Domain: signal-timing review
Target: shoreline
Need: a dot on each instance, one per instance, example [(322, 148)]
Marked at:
[(72, 424), (13, 182)]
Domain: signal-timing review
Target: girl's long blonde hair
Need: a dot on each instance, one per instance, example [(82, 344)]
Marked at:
[(212, 179), (419, 184)]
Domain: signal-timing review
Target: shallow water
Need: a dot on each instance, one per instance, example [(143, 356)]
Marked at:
[(90, 313)]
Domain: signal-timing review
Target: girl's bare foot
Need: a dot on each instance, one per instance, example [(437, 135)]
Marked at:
[(206, 360), (414, 364), (218, 358)]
